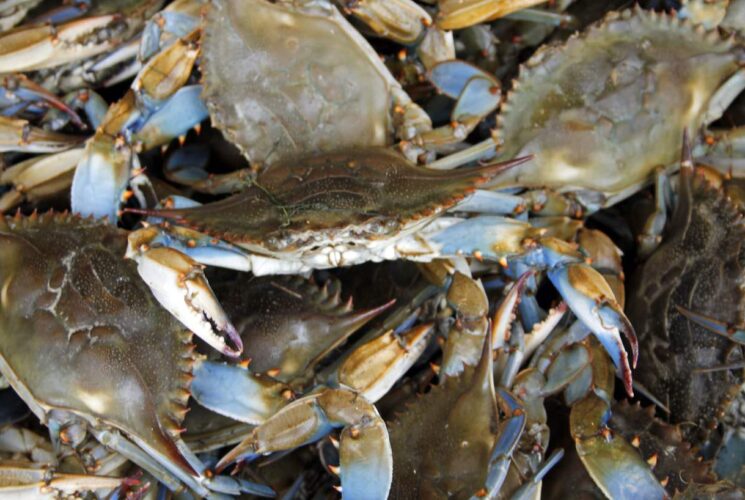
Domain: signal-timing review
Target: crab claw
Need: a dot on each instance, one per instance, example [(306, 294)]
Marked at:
[(591, 299), (251, 399), (179, 284), (614, 465), (101, 177), (374, 367), (732, 332), (366, 463)]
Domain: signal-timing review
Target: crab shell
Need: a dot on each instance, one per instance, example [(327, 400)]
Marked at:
[(442, 442), (282, 80), (699, 266), (80, 332), (603, 110), (288, 324), (335, 208)]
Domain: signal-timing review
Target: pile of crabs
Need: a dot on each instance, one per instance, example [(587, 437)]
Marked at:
[(376, 248)]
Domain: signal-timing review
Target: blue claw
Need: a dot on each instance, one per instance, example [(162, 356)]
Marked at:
[(101, 178), (451, 77), (732, 332), (591, 300), (250, 399), (179, 114)]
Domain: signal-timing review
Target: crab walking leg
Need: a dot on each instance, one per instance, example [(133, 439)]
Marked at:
[(365, 375), (530, 489), (727, 153), (18, 135), (179, 284), (38, 177), (365, 452), (33, 483), (732, 332), (509, 436)]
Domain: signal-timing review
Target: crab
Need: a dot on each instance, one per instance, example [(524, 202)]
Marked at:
[(472, 452), (691, 359), (69, 299), (321, 214), (599, 100), (326, 107)]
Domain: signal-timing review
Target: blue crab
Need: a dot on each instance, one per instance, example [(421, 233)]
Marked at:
[(321, 213), (691, 321), (687, 319), (81, 338), (268, 119), (602, 112)]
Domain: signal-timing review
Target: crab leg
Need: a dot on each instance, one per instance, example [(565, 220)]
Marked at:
[(365, 453), (466, 337), (400, 20), (156, 110), (614, 465), (732, 332), (585, 290), (529, 490), (458, 14), (590, 298), (19, 135), (509, 436), (194, 304), (38, 177), (369, 372), (32, 483)]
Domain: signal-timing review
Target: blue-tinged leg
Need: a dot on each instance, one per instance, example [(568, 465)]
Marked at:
[(509, 435), (366, 463), (590, 298), (732, 332)]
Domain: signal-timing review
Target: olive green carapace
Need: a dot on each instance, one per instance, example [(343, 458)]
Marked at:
[(442, 442), (361, 194), (700, 266), (603, 110), (80, 331), (288, 324)]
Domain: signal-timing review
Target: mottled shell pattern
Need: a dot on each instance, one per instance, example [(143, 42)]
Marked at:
[(601, 111), (81, 332)]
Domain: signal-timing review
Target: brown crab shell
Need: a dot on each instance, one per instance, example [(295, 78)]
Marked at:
[(700, 266), (355, 195), (441, 443), (604, 109), (288, 323), (81, 332)]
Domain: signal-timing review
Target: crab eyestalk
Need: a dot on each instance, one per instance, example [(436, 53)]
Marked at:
[(178, 283)]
